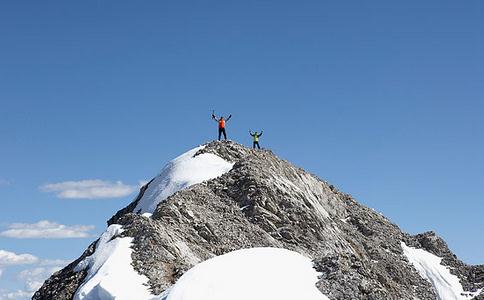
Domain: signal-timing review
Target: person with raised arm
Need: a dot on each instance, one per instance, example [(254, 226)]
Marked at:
[(255, 138), (221, 125)]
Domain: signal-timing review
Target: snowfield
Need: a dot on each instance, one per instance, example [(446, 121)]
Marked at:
[(180, 173), (446, 285), (255, 274), (110, 273)]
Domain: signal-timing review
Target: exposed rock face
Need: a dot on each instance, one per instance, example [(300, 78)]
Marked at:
[(266, 201)]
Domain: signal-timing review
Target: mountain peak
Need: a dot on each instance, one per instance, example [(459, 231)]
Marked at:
[(222, 197)]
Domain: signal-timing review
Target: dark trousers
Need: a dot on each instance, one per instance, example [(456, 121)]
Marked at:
[(255, 144), (220, 132)]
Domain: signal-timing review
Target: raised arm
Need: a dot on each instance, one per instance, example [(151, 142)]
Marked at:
[(226, 120), (260, 134), (250, 132)]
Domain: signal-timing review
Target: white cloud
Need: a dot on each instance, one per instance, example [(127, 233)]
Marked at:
[(4, 182), (34, 278), (8, 258), (46, 230), (54, 262), (31, 278), (89, 189), (16, 295)]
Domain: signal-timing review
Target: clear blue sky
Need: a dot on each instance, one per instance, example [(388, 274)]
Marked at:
[(384, 99)]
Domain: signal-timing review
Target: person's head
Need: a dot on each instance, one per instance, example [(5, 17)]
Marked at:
[(221, 118)]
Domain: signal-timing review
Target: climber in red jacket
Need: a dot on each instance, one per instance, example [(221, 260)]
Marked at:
[(221, 125)]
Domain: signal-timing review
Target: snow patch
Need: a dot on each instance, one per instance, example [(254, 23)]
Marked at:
[(110, 273), (180, 173), (256, 274), (446, 285)]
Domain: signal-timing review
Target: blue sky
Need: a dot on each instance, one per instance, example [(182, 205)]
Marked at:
[(383, 99)]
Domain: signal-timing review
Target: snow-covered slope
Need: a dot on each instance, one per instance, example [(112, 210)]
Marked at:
[(110, 273), (446, 285), (180, 173), (256, 274)]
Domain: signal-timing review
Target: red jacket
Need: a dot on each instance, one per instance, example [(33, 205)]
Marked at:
[(221, 123)]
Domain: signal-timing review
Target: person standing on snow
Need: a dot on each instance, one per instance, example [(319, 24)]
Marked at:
[(221, 125), (255, 138)]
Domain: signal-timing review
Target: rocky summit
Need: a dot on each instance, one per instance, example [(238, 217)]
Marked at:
[(264, 201)]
